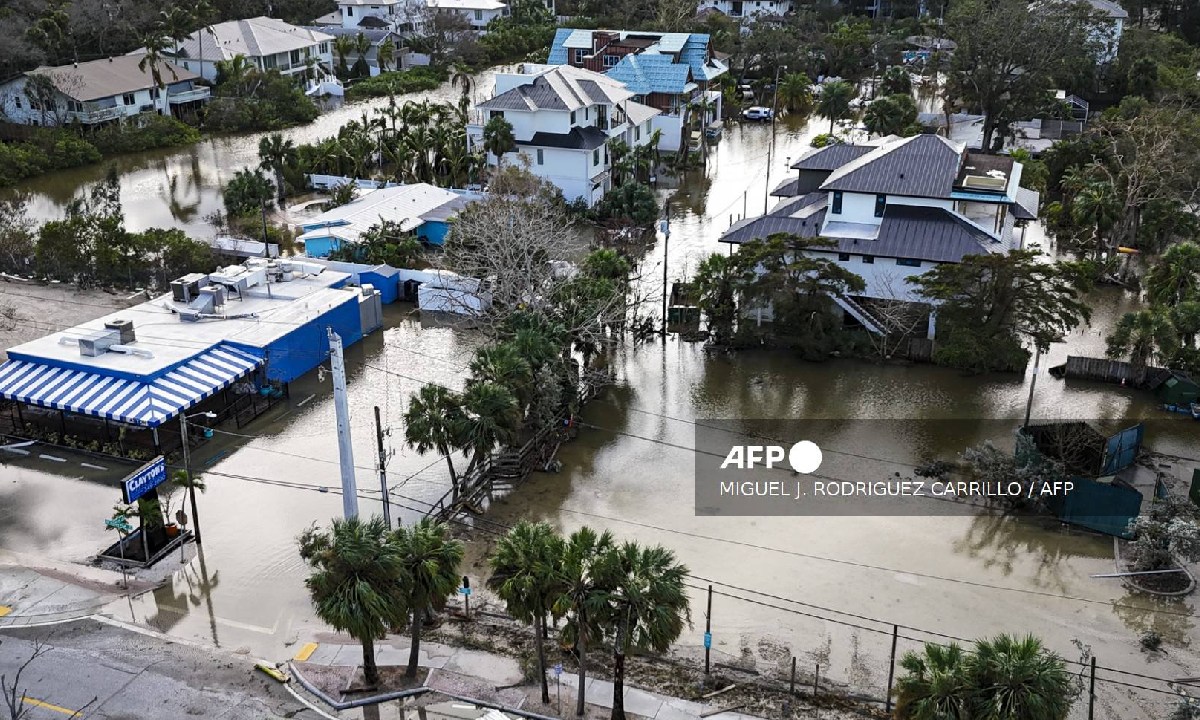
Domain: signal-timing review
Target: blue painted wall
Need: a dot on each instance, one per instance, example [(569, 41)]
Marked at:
[(386, 280), (434, 232), (304, 348), (321, 247)]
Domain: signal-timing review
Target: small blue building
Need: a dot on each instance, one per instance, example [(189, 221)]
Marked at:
[(419, 208)]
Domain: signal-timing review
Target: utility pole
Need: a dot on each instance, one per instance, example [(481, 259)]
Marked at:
[(1037, 360), (187, 471), (666, 229), (345, 450), (708, 632), (387, 501), (771, 145)]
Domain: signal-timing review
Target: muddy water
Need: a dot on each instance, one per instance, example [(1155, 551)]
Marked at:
[(181, 187), (632, 472)]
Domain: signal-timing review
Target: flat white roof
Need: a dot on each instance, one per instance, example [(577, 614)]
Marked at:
[(403, 204), (466, 4), (256, 321)]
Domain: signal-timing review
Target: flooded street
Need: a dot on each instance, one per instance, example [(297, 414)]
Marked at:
[(824, 589)]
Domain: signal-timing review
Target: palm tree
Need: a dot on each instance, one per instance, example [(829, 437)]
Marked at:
[(1143, 336), (498, 138), (648, 606), (526, 575), (234, 72), (434, 421), (503, 365), (1096, 206), (1017, 678), (896, 81), (176, 23), (795, 92), (492, 419), (359, 581), (362, 46), (430, 558), (153, 62), (343, 45), (583, 598), (202, 12), (385, 54), (935, 685), (460, 77), (834, 101), (892, 115), (274, 154), (1175, 278)]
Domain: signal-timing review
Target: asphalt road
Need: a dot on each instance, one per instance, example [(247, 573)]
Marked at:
[(117, 674)]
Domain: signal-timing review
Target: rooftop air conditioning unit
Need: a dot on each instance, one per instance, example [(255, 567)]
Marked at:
[(99, 344), (186, 288), (124, 327), (216, 292)]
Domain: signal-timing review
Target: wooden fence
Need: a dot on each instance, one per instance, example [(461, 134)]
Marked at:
[(1111, 371)]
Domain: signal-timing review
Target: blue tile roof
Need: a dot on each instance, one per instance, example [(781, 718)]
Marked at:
[(558, 51), (650, 71)]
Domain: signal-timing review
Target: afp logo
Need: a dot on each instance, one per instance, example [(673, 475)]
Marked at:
[(803, 457)]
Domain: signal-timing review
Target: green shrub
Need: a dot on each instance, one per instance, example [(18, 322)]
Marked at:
[(399, 82), (259, 101), (47, 149), (149, 132)]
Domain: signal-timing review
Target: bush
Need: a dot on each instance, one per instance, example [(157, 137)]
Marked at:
[(46, 150), (261, 101), (399, 82), (632, 203), (149, 132)]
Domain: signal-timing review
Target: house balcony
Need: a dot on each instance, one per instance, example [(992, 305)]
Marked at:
[(92, 116), (199, 94)]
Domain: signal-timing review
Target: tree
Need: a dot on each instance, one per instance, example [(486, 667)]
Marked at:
[(360, 581), (498, 138), (647, 605), (631, 203), (1166, 534), (1006, 79), (491, 420), (362, 46), (895, 81), (892, 115), (17, 234), (434, 421), (385, 54), (154, 61), (247, 193), (343, 45), (1143, 336), (834, 101), (1175, 277), (719, 279), (583, 598), (430, 558), (526, 575), (795, 92), (276, 153), (933, 686)]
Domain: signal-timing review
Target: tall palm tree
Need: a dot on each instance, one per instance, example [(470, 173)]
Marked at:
[(358, 582), (834, 101), (343, 45), (504, 365), (235, 72), (153, 62), (1018, 678), (434, 421), (1143, 337), (647, 606), (385, 54), (795, 92), (460, 77), (492, 420), (430, 558), (275, 153), (526, 575), (1096, 206), (176, 22), (583, 598), (362, 46), (498, 138), (1175, 278), (202, 13), (934, 686)]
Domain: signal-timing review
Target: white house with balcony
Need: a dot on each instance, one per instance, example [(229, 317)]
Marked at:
[(477, 13), (99, 91), (268, 44), (896, 209), (563, 119), (746, 9)]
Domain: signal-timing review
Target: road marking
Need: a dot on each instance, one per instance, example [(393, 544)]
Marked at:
[(4, 610), (93, 467), (50, 706), (52, 458), (306, 652)]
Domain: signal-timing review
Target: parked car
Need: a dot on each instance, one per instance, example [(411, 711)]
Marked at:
[(757, 113)]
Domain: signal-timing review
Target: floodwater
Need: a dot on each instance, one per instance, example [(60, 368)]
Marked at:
[(824, 589)]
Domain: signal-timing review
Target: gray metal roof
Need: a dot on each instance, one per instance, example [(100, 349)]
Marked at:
[(919, 166), (1026, 206), (560, 88), (1109, 8), (802, 216), (923, 233), (580, 138), (787, 188), (831, 157)]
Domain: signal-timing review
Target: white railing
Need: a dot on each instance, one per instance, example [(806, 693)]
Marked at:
[(187, 96), (96, 115)]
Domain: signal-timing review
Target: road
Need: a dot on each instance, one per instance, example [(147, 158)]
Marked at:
[(113, 673)]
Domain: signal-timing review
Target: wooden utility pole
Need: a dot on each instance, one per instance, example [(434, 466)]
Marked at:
[(383, 487)]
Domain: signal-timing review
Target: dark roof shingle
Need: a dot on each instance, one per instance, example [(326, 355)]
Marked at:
[(920, 166), (580, 138), (831, 157)]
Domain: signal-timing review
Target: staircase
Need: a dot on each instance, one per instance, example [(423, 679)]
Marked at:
[(861, 314)]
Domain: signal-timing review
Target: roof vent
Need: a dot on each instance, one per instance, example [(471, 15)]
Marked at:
[(124, 328)]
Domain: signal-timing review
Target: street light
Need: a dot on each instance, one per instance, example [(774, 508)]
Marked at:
[(187, 466)]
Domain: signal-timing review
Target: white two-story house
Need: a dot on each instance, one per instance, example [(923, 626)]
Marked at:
[(563, 119), (897, 209), (268, 44), (99, 91), (477, 13), (746, 9)]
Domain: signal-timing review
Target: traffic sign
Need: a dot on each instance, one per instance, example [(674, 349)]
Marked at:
[(144, 479), (464, 591), (557, 669)]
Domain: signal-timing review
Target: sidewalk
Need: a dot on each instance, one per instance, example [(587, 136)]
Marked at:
[(494, 674), (37, 591)]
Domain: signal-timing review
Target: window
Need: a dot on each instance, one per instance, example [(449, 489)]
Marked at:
[(495, 114), (637, 132), (268, 62), (596, 156), (155, 94), (349, 12), (572, 117), (844, 257), (540, 158), (587, 113), (128, 99), (869, 259), (611, 60), (579, 56), (295, 57), (18, 101), (908, 262), (73, 106), (478, 15), (837, 203), (880, 205), (324, 48)]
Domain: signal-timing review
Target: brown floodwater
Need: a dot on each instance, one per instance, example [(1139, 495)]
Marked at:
[(826, 590)]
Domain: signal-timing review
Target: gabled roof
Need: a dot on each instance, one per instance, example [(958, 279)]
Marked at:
[(801, 216), (561, 88), (647, 73), (252, 37), (1109, 8), (831, 157), (588, 137), (919, 166), (690, 50), (98, 79)]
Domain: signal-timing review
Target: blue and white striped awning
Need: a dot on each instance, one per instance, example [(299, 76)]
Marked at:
[(149, 404)]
